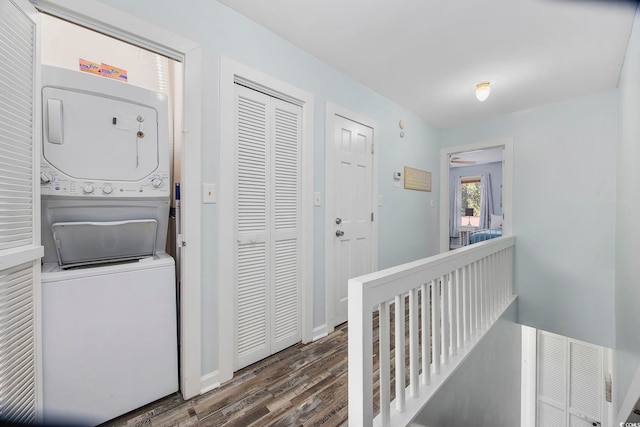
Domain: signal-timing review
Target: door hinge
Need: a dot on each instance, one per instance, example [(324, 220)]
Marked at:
[(371, 216), (373, 148)]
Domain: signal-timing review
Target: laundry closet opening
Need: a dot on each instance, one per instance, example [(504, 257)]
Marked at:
[(110, 167)]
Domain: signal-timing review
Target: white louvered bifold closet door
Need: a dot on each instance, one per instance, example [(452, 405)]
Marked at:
[(570, 382), (19, 249), (267, 285)]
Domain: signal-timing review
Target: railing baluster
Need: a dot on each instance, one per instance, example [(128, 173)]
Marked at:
[(385, 364), (425, 292), (446, 313), (490, 282), (454, 313), (400, 352), (435, 325), (414, 368), (473, 286), (466, 270), (482, 298), (444, 291)]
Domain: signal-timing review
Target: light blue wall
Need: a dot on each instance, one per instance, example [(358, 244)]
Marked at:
[(627, 229), (564, 216), (495, 170), (484, 391), (407, 223)]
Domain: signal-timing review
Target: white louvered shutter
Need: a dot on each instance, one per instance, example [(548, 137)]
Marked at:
[(19, 237), (286, 139), (585, 384), (267, 225), (552, 380), (570, 382)]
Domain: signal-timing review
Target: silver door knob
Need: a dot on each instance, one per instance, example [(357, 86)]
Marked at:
[(339, 233), (338, 221)]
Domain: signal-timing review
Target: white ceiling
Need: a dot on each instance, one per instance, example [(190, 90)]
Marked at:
[(428, 55)]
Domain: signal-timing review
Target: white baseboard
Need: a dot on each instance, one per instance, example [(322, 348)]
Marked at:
[(630, 399), (209, 381), (319, 332)]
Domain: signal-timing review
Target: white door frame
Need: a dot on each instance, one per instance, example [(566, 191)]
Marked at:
[(113, 22), (232, 72), (333, 110), (507, 185)]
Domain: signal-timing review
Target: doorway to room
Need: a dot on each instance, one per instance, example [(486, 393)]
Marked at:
[(476, 193)]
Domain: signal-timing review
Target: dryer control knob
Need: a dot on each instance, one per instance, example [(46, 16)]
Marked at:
[(156, 182), (88, 189), (107, 190), (45, 178)]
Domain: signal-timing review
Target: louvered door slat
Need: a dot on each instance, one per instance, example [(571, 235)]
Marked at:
[(585, 384), (268, 223), (16, 126), (286, 247), (252, 207), (18, 392), (17, 373)]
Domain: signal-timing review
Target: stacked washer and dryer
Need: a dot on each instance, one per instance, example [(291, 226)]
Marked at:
[(109, 322)]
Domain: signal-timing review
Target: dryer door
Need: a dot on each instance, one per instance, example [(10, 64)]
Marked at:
[(94, 137)]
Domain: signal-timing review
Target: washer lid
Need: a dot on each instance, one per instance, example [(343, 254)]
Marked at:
[(79, 243), (95, 137)]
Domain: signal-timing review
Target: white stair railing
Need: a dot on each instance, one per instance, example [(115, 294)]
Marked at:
[(453, 298)]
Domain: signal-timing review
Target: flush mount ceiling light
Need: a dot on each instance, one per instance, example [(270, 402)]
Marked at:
[(482, 91)]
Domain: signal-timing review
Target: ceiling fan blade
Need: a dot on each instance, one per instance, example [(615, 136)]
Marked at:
[(466, 162)]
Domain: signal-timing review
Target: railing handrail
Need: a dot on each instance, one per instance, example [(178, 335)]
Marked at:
[(428, 269), (482, 273)]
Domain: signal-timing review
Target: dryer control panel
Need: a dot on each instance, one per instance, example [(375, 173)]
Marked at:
[(54, 183)]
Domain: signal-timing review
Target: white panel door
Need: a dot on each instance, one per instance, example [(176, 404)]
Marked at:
[(19, 205), (268, 281), (570, 382), (352, 190)]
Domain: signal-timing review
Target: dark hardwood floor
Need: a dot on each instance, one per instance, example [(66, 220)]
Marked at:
[(304, 385)]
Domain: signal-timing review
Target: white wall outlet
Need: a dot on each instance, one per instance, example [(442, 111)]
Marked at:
[(316, 199), (208, 193)]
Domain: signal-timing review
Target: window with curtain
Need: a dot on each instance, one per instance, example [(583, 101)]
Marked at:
[(470, 190)]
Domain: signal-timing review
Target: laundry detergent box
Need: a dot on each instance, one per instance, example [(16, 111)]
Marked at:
[(89, 66), (113, 72)]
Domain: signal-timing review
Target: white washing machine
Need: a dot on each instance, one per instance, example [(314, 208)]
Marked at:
[(108, 289), (109, 339)]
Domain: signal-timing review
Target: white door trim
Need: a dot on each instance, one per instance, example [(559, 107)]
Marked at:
[(333, 110), (507, 185), (113, 22), (232, 72)]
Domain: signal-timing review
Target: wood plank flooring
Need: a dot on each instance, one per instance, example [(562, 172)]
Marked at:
[(304, 385)]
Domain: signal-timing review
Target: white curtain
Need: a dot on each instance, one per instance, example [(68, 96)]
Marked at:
[(486, 200), (455, 201)]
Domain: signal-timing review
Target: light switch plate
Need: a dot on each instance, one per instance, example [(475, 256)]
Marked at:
[(316, 199), (208, 193)]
